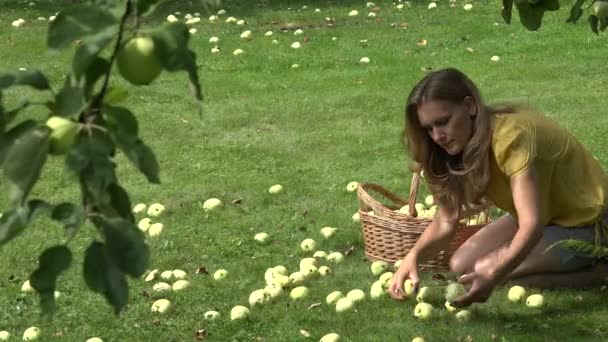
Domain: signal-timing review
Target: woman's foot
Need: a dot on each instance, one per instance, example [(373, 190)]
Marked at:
[(593, 277)]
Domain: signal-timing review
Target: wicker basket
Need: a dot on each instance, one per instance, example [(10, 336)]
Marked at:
[(388, 234)]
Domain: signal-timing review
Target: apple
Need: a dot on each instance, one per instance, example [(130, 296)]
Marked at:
[(333, 337), (600, 9), (298, 293), (156, 209), (297, 278), (377, 290), (356, 295), (239, 312), (353, 13), (274, 290), (238, 52), (298, 32), (27, 287), (429, 294), (4, 335), (356, 217), (333, 297), (166, 275), (179, 274), (418, 339), (385, 278), (56, 294), (144, 224), (420, 207), (214, 40), (139, 208), (259, 297), (325, 271), (432, 5), (137, 62), (453, 291), (262, 238), (281, 280), (240, 22), (516, 293), (161, 287), (308, 245), (352, 186), (155, 229), (364, 60), (211, 315), (171, 18), (423, 311), (449, 307), (408, 287), (378, 267), (162, 306), (397, 264), (463, 316), (269, 275), (535, 301), (328, 232), (63, 134), (344, 304), (31, 333), (220, 274), (180, 285), (405, 209), (494, 58), (309, 261), (246, 34), (296, 45), (94, 339), (275, 189), (309, 270), (212, 204), (468, 7), (335, 257), (429, 201), (268, 33), (320, 255), (295, 66), (280, 270)]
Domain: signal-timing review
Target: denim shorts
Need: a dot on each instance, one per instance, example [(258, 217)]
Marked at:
[(572, 260)]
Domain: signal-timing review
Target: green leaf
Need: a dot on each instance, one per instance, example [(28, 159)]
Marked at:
[(52, 262), (68, 214), (146, 7), (125, 245), (89, 151), (70, 101), (9, 137), (142, 157), (102, 277), (171, 41), (580, 246), (24, 161), (32, 78), (115, 95), (576, 11), (119, 199), (77, 22), (89, 49), (97, 68), (507, 10), (121, 121)]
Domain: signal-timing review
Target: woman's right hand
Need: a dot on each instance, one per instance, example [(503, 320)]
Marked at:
[(407, 270)]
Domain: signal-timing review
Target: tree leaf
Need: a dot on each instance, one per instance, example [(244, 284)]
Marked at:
[(121, 121), (89, 49), (102, 277), (70, 101), (119, 199), (77, 22), (33, 78), (125, 245), (97, 68), (141, 156), (507, 10), (146, 7), (581, 247), (24, 162), (115, 95), (52, 262), (576, 11), (68, 214), (89, 151), (9, 137)]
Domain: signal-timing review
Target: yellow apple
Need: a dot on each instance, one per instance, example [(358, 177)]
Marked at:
[(162, 306), (212, 204), (356, 295), (137, 62), (4, 335), (63, 134), (333, 297), (423, 310), (308, 245), (298, 293), (259, 297), (211, 315), (220, 274), (535, 301), (151, 276), (180, 285), (333, 337), (31, 333), (239, 312), (378, 267), (344, 304), (377, 290), (453, 291), (179, 274), (463, 316), (516, 293)]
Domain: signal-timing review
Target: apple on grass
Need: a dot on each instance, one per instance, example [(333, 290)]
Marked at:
[(4, 335), (137, 62), (309, 271), (352, 186), (418, 339), (212, 204), (385, 279), (31, 333), (453, 291), (325, 271), (211, 315), (356, 295), (344, 304), (280, 270), (144, 224), (308, 245), (220, 274), (179, 274), (156, 209), (449, 307), (309, 261), (463, 316), (239, 312), (166, 275), (281, 280), (259, 297), (94, 339), (335, 257), (155, 229), (139, 208), (377, 290), (429, 294), (63, 134), (516, 293), (275, 189), (274, 290), (262, 238), (298, 293), (328, 232), (378, 267), (423, 311), (320, 255), (333, 297), (161, 287), (535, 301), (180, 285), (162, 306), (333, 337), (297, 278)]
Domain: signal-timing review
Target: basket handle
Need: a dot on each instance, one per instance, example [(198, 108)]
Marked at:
[(378, 188), (413, 193)]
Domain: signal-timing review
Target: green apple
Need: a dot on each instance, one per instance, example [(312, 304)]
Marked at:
[(259, 297), (429, 294), (356, 295), (429, 201), (385, 279), (31, 333), (309, 270), (405, 209), (516, 293), (56, 294), (262, 238), (320, 255), (408, 287), (161, 287), (356, 217), (308, 245), (463, 316), (275, 189), (162, 306), (333, 297), (600, 9), (423, 310), (166, 275), (151, 276), (137, 62), (280, 270), (180, 285), (281, 280), (211, 315), (344, 304), (212, 204), (4, 335), (328, 232), (220, 274), (155, 229), (378, 267), (298, 293), (335, 257), (179, 274), (139, 208), (420, 207), (297, 278), (325, 271), (239, 312), (453, 291), (63, 134), (352, 186), (274, 290), (535, 301), (156, 209), (144, 224), (418, 339), (333, 337), (94, 339), (449, 307), (377, 290), (269, 275), (27, 287), (397, 264)]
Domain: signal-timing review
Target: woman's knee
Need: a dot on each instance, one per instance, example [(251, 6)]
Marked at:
[(460, 263)]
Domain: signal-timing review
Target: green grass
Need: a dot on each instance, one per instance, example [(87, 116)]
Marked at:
[(311, 129)]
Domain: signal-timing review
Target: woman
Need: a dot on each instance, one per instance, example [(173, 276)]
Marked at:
[(518, 160)]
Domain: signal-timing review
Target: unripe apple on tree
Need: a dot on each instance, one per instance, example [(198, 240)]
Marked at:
[(63, 135), (137, 61)]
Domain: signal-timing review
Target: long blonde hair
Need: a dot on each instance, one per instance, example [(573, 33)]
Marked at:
[(457, 181)]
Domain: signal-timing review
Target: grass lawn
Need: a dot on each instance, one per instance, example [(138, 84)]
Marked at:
[(312, 129)]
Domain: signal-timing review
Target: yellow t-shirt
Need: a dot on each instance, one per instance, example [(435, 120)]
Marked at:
[(573, 186)]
